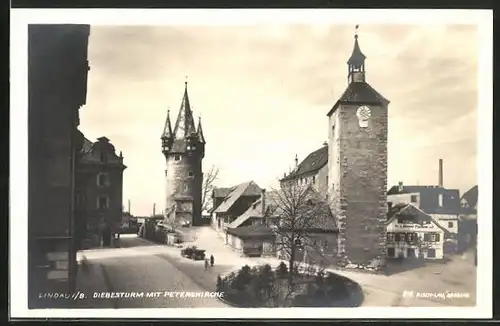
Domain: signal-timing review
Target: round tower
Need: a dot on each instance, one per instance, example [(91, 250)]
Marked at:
[(184, 149)]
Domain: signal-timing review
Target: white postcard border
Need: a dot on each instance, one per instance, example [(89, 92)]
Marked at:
[(20, 18)]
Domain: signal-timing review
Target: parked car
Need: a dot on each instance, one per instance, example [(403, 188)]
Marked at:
[(193, 253)]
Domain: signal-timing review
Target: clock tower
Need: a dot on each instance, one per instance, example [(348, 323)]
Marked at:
[(357, 170)]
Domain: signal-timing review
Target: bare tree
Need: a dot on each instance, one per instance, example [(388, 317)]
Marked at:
[(209, 179), (296, 212)]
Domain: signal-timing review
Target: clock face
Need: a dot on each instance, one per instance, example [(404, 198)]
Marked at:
[(364, 113)]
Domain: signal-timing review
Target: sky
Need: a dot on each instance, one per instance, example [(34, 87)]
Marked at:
[(263, 93)]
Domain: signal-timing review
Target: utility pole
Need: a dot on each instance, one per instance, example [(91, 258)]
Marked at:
[(154, 209)]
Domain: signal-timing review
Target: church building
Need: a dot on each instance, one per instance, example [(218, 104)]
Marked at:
[(357, 168), (184, 149)]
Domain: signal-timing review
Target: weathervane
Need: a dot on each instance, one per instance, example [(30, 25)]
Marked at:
[(356, 31), (186, 80)]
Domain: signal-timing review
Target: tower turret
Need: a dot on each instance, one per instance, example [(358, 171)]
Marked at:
[(184, 152), (166, 136), (356, 63)]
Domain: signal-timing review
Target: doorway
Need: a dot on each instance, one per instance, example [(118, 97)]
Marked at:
[(106, 236)]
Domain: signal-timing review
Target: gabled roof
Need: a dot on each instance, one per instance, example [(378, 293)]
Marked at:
[(221, 192), (359, 93), (322, 221), (412, 212), (252, 232), (312, 163), (249, 188), (255, 210)]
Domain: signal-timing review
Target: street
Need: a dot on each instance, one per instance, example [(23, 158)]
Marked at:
[(142, 266)]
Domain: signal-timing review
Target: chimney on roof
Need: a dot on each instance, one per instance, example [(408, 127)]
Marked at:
[(325, 143), (440, 183), (263, 202), (400, 186), (296, 161)]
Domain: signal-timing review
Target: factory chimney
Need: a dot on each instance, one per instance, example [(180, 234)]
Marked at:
[(440, 184)]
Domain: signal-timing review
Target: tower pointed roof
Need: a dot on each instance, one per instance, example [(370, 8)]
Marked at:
[(184, 125), (357, 57), (199, 132), (167, 130)]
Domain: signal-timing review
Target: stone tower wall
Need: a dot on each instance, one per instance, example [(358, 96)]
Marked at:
[(358, 168), (180, 184)]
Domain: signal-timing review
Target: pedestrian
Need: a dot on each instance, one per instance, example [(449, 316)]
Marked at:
[(211, 260), (206, 264)]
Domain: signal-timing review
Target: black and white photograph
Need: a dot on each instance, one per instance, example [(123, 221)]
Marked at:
[(232, 159)]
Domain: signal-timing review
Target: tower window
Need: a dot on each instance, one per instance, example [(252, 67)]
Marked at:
[(102, 180), (440, 200), (177, 157), (413, 198), (103, 202), (190, 174), (185, 187)]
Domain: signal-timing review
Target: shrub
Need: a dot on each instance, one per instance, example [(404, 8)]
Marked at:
[(242, 279), (319, 278), (282, 270)]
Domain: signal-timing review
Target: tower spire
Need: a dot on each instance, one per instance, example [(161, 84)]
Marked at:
[(167, 130), (199, 132), (184, 125), (356, 63)]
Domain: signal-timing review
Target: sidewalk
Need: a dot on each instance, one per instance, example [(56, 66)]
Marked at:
[(91, 278)]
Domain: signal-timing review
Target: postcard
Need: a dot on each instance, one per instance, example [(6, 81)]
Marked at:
[(251, 163)]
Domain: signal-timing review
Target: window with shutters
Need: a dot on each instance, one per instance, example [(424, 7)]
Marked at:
[(390, 237), (433, 237), (402, 237)]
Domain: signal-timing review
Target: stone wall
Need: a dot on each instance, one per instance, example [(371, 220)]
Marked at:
[(179, 183), (359, 176)]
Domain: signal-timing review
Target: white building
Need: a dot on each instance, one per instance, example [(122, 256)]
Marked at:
[(411, 233)]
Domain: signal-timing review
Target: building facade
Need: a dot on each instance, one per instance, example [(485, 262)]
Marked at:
[(184, 149), (57, 88), (411, 233), (99, 192), (313, 170), (238, 199), (357, 167), (441, 203)]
